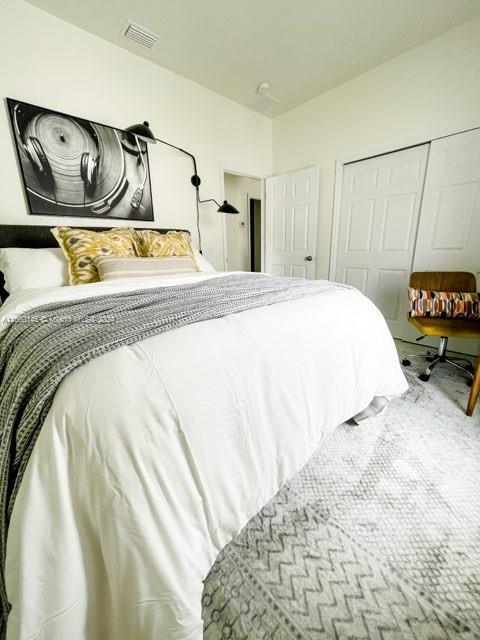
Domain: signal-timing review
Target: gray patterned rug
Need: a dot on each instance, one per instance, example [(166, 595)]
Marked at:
[(377, 537)]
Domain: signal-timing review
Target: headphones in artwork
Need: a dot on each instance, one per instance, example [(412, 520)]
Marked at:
[(37, 157), (89, 162), (89, 167)]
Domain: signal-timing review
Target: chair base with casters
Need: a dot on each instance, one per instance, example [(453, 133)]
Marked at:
[(440, 357)]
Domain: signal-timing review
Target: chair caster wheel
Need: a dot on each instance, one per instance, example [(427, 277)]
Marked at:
[(406, 362), (429, 358), (424, 377)]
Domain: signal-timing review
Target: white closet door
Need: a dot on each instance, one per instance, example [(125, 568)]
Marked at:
[(449, 229), (291, 223), (379, 211)]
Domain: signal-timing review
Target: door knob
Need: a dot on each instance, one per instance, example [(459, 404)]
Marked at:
[(308, 258)]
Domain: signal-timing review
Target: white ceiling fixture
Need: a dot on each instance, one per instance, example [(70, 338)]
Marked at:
[(140, 35), (264, 100), (303, 47)]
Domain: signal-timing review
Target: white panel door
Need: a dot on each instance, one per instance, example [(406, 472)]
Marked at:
[(449, 229), (379, 211), (291, 223)]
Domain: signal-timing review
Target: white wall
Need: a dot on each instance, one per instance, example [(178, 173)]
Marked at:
[(48, 62), (237, 190), (427, 92)]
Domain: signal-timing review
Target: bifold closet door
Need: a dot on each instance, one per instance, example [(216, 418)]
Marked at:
[(379, 212), (449, 228)]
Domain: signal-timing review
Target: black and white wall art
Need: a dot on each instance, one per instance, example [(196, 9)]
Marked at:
[(75, 167)]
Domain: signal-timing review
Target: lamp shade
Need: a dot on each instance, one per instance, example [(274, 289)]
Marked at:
[(226, 207), (143, 131)]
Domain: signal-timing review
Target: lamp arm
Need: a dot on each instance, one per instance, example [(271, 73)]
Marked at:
[(209, 200), (187, 153), (195, 180)]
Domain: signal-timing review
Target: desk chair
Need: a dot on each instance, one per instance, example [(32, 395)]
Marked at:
[(444, 328)]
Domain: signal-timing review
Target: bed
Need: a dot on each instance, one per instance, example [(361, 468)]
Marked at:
[(155, 454)]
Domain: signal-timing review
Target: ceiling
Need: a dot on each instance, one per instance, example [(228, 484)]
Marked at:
[(302, 47)]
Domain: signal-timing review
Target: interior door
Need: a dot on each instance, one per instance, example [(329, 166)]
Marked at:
[(379, 211), (291, 223), (449, 229)]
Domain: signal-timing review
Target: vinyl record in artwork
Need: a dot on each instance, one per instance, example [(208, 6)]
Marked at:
[(75, 167)]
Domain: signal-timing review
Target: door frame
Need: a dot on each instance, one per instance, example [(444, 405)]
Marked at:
[(335, 229), (250, 199), (338, 184), (235, 172)]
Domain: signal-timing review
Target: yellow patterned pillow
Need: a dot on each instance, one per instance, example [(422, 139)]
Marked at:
[(152, 244), (82, 246)]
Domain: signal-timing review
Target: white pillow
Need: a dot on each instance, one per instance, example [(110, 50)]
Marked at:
[(33, 268), (202, 263)]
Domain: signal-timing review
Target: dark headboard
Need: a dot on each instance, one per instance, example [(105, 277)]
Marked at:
[(35, 237)]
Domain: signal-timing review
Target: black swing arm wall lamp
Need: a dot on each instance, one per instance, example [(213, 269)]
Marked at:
[(143, 131)]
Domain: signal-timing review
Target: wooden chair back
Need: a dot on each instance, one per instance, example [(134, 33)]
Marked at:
[(444, 281)]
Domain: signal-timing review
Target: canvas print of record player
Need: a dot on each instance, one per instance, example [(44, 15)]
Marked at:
[(75, 167)]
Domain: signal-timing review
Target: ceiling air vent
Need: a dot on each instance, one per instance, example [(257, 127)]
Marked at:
[(141, 35)]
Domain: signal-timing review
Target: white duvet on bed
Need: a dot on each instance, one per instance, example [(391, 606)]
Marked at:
[(154, 456)]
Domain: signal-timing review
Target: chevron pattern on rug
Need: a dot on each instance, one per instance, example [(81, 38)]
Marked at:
[(378, 536)]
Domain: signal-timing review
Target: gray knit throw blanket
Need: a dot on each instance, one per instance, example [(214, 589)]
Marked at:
[(44, 345)]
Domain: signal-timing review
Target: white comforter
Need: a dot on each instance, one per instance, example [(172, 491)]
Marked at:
[(154, 456)]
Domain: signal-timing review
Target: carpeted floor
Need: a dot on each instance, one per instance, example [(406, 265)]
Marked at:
[(377, 537)]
